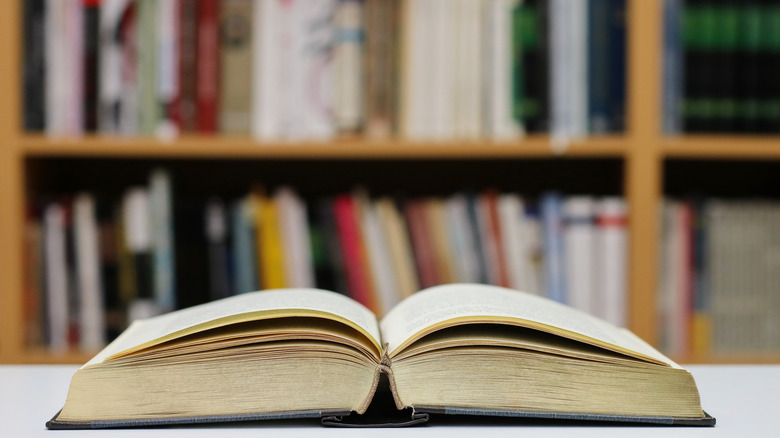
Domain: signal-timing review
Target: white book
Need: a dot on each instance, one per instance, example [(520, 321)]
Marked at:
[(578, 40), (467, 89), (467, 265), (294, 229), (497, 73), (56, 57), (412, 69), (91, 321), (579, 244), (73, 68), (510, 213), (564, 102), (379, 257), (317, 43), (349, 100), (57, 278), (161, 226), (673, 308), (167, 64), (443, 67), (611, 257), (110, 60), (399, 247), (266, 70)]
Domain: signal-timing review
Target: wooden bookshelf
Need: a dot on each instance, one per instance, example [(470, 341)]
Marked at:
[(642, 151)]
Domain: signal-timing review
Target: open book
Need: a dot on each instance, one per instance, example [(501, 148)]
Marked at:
[(453, 349)]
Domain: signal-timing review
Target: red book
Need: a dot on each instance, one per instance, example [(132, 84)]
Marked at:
[(350, 240), (184, 113), (490, 203), (207, 65), (421, 244)]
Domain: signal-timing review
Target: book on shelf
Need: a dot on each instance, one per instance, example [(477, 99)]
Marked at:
[(720, 60), (314, 69), (716, 283), (376, 249), (464, 349)]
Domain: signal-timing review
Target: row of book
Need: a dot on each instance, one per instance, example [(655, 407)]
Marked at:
[(91, 270), (719, 277), (721, 60), (314, 69)]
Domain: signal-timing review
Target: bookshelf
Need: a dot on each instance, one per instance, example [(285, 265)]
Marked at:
[(641, 151)]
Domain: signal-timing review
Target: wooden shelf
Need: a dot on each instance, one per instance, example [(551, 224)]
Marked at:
[(43, 356), (204, 146), (722, 146)]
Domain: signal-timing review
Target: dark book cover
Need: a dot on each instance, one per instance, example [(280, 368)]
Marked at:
[(185, 113), (747, 71), (696, 65), (599, 33), (769, 114), (207, 66), (534, 94), (91, 78), (724, 107), (617, 66), (34, 65)]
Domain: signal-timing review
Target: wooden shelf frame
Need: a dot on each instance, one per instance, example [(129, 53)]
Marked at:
[(642, 148)]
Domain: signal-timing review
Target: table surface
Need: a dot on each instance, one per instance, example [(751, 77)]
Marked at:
[(745, 399)]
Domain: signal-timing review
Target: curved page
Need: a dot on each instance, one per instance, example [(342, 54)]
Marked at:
[(444, 306), (242, 308)]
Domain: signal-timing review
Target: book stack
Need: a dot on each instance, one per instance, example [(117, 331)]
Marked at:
[(720, 270), (376, 249), (312, 70), (721, 58)]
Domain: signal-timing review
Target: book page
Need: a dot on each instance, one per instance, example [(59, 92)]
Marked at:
[(241, 308), (444, 306)]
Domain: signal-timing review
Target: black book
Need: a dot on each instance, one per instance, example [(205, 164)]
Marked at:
[(34, 65)]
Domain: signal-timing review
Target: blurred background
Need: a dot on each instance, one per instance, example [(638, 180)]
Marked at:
[(619, 156)]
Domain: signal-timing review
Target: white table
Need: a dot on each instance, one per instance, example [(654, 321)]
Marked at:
[(745, 399)]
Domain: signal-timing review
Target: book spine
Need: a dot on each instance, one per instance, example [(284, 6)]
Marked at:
[(598, 65), (56, 277), (207, 65), (91, 321), (244, 254), (34, 75), (91, 77), (168, 66), (185, 115), (579, 241), (694, 105), (217, 237), (235, 51), (611, 295), (336, 258), (552, 222), (746, 58), (673, 67), (536, 106), (162, 228), (344, 212), (769, 118), (701, 330), (148, 109), (348, 53), (617, 66), (423, 252)]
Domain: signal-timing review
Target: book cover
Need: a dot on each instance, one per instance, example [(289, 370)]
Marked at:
[(235, 53), (34, 62), (244, 251), (148, 107), (92, 328), (422, 247), (270, 249), (610, 257), (552, 225), (352, 249), (185, 115), (216, 233), (207, 66), (57, 276), (580, 254)]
